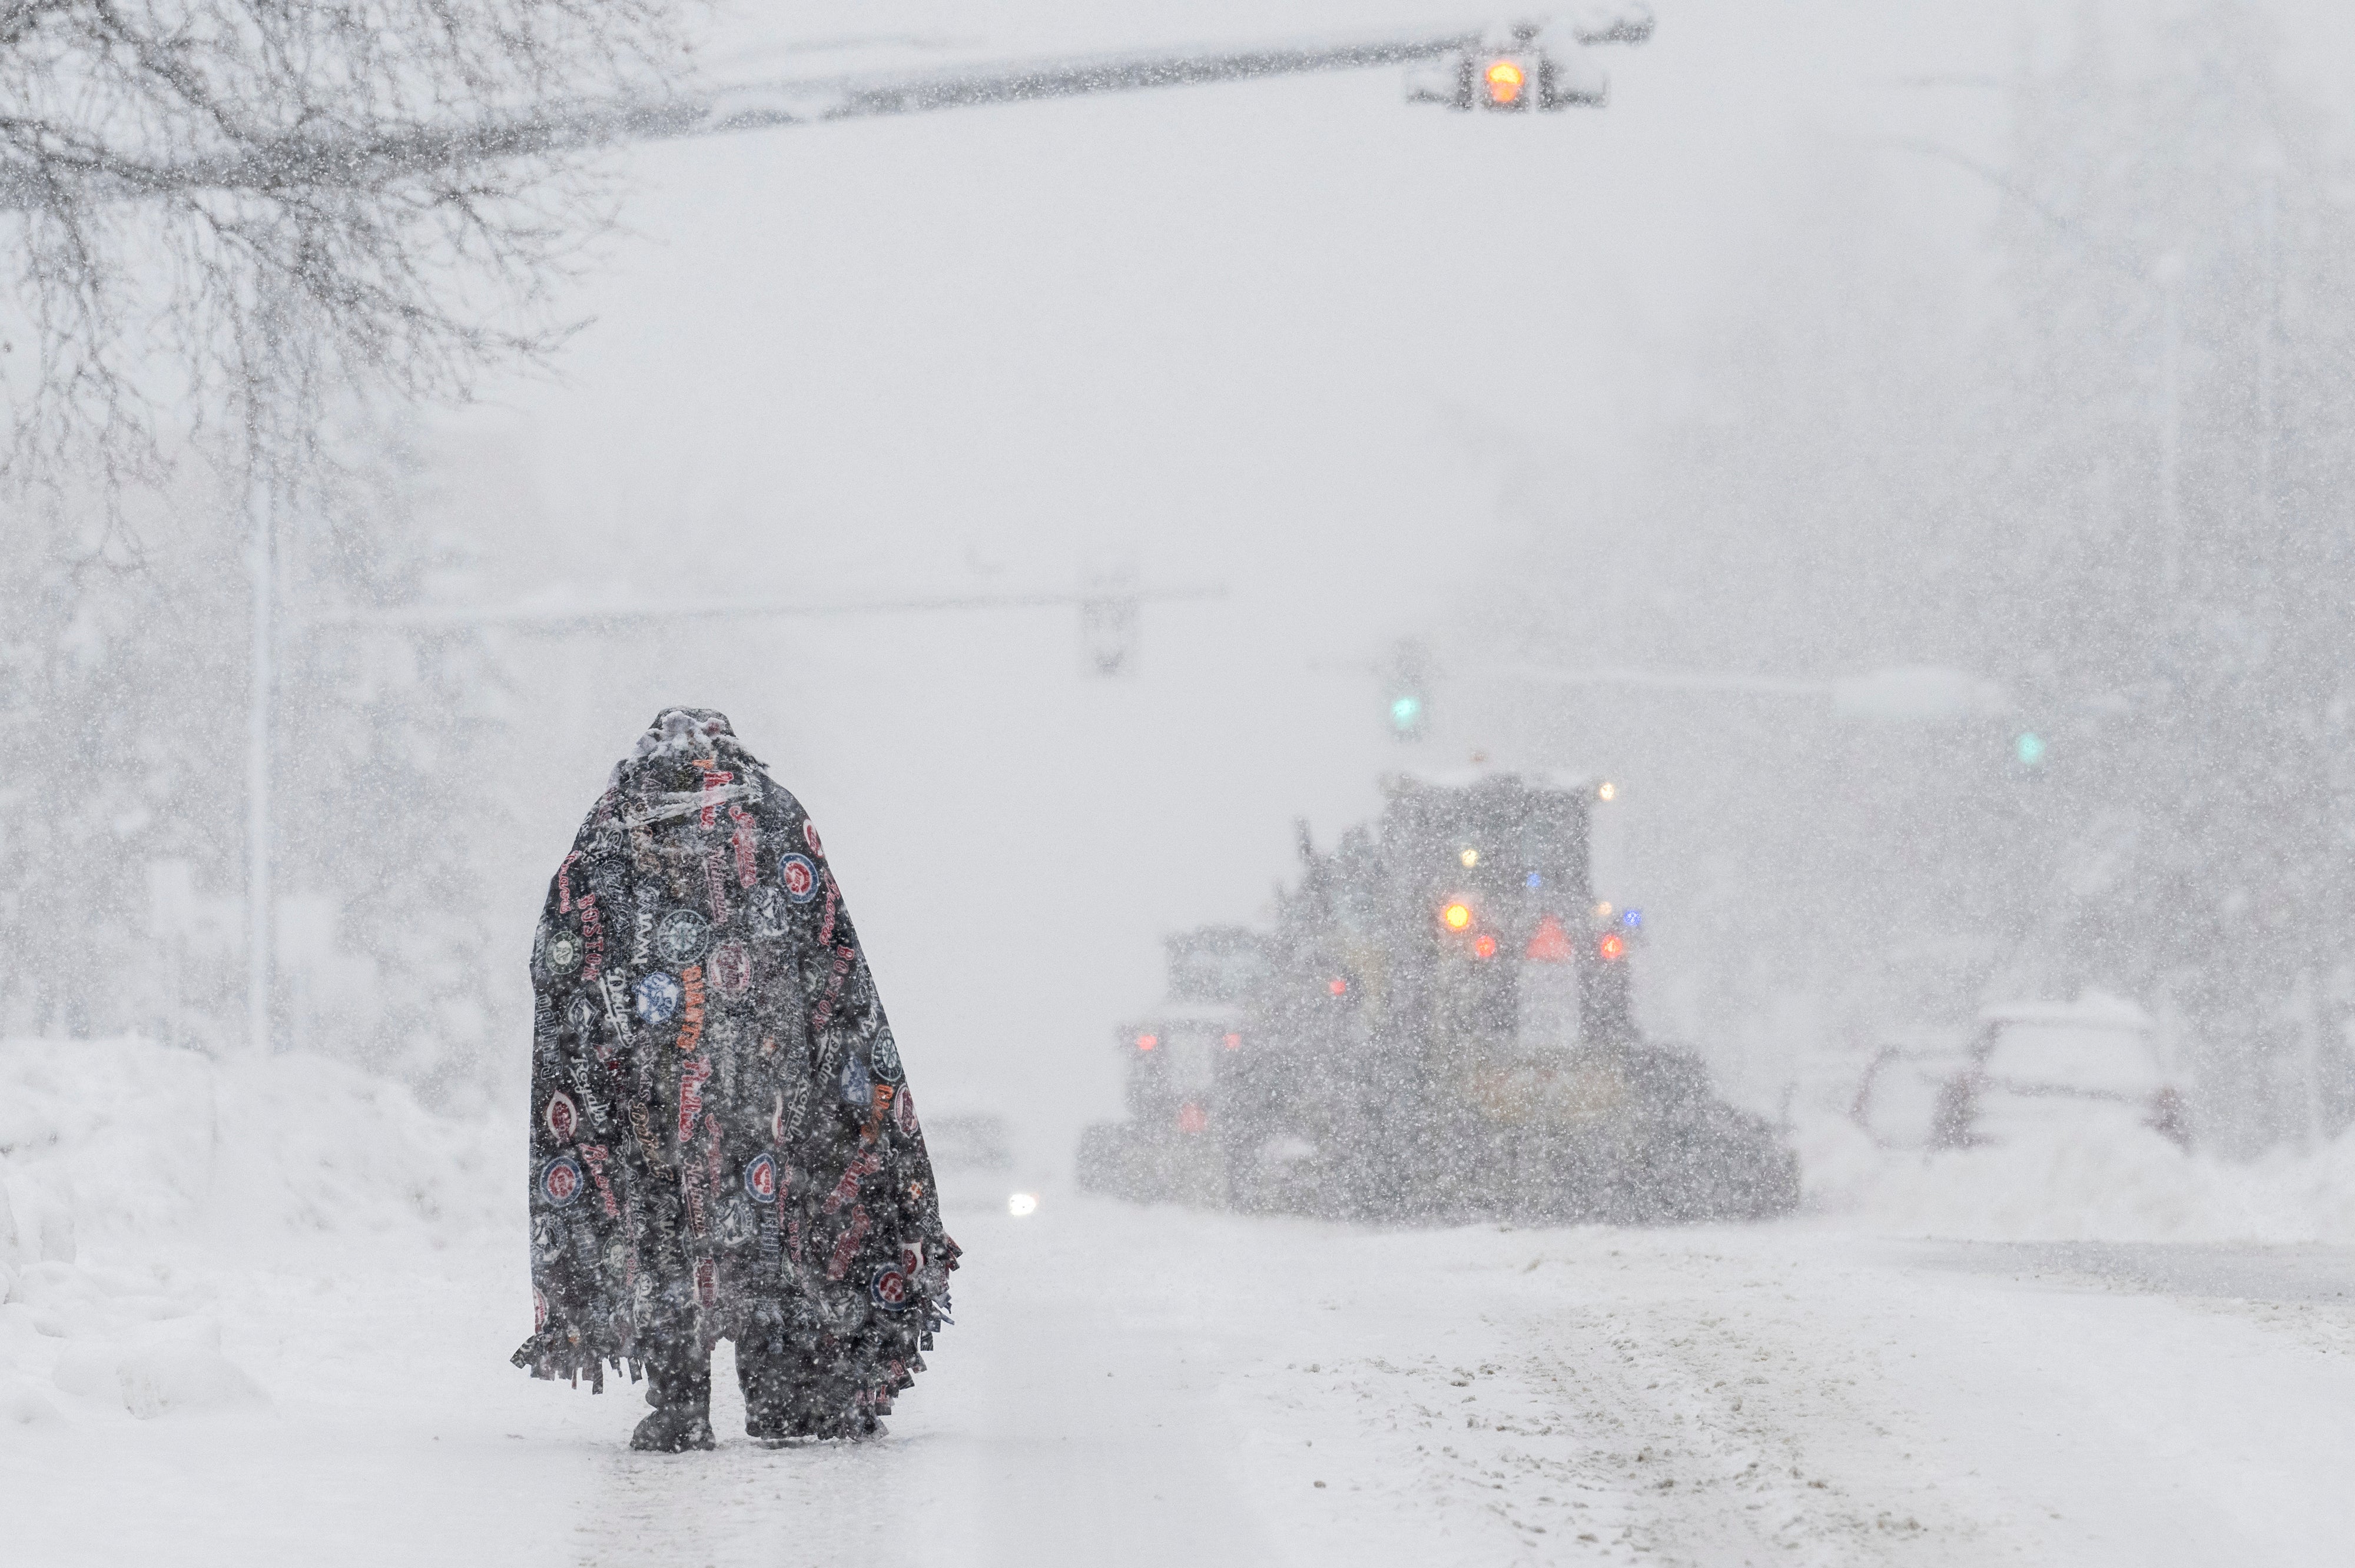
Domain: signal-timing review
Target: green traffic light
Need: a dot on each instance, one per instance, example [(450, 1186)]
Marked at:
[(1406, 711), (2029, 749)]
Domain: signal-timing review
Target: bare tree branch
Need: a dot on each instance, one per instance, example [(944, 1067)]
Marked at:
[(225, 211)]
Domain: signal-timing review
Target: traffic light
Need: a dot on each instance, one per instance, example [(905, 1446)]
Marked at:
[(1406, 690), (1502, 81), (1108, 631), (1532, 65), (1611, 948), (2028, 748)]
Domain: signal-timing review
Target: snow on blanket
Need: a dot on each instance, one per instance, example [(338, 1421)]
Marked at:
[(126, 1163)]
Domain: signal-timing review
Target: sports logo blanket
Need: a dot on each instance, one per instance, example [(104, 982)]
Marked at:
[(723, 1144)]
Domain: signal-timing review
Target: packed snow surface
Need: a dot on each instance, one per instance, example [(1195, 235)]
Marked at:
[(261, 1314)]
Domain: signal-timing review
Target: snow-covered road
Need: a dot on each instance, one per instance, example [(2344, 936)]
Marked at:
[(1140, 1386)]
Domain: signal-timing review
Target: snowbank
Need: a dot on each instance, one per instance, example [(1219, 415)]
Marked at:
[(131, 1172), (129, 1144), (2095, 1183)]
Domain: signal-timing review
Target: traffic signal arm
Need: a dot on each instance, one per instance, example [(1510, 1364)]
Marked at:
[(763, 106), (424, 147), (754, 108)]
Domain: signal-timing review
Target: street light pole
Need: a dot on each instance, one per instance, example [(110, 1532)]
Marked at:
[(2269, 161), (2168, 276), (262, 559)]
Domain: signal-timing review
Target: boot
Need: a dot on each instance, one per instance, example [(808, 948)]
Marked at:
[(673, 1430), (777, 1406), (859, 1427), (846, 1418), (678, 1386), (783, 1428)]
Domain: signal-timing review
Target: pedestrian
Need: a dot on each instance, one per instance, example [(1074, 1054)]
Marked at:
[(722, 1142)]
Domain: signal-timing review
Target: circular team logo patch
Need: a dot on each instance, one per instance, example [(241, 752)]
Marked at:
[(769, 910), (761, 1180), (563, 1117), (732, 966), (885, 1054), (799, 876), (891, 1289), (560, 1181), (903, 1114), (658, 995), (563, 952), (681, 937)]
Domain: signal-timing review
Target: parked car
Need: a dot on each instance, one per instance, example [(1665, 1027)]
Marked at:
[(2031, 1070), (1897, 1100)]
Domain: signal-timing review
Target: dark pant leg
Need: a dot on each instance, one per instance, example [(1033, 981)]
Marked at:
[(678, 1376)]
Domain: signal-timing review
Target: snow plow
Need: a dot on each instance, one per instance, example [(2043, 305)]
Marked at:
[(1436, 1029)]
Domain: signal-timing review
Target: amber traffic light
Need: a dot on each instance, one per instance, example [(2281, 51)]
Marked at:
[(1505, 81)]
